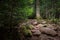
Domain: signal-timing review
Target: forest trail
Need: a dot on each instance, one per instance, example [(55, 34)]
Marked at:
[(44, 31)]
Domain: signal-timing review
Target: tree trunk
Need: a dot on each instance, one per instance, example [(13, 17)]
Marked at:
[(37, 9)]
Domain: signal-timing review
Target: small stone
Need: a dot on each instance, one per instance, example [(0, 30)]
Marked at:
[(43, 22), (36, 28), (35, 23), (33, 31), (37, 33), (40, 25)]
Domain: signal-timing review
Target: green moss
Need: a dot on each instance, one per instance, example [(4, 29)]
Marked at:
[(26, 30), (29, 26), (23, 28), (27, 33)]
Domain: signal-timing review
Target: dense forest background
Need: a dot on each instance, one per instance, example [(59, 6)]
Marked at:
[(13, 12)]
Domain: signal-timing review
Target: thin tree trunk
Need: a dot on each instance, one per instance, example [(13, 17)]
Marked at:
[(37, 9)]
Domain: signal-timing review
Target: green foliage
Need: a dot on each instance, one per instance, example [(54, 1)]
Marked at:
[(50, 8), (28, 11), (12, 11)]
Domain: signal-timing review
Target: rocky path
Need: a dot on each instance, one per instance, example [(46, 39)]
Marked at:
[(44, 31)]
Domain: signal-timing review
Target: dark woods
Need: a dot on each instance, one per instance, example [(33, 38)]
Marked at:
[(13, 12)]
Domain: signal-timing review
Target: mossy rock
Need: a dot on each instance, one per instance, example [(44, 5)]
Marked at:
[(23, 28), (29, 26), (27, 33), (26, 30)]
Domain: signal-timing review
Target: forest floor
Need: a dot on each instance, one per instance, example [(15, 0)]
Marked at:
[(44, 30)]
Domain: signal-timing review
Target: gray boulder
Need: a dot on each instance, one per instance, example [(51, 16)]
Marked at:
[(48, 31)]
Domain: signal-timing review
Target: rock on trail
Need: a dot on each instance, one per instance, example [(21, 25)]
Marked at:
[(36, 32), (48, 31)]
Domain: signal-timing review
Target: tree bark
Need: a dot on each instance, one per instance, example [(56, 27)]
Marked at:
[(37, 9)]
